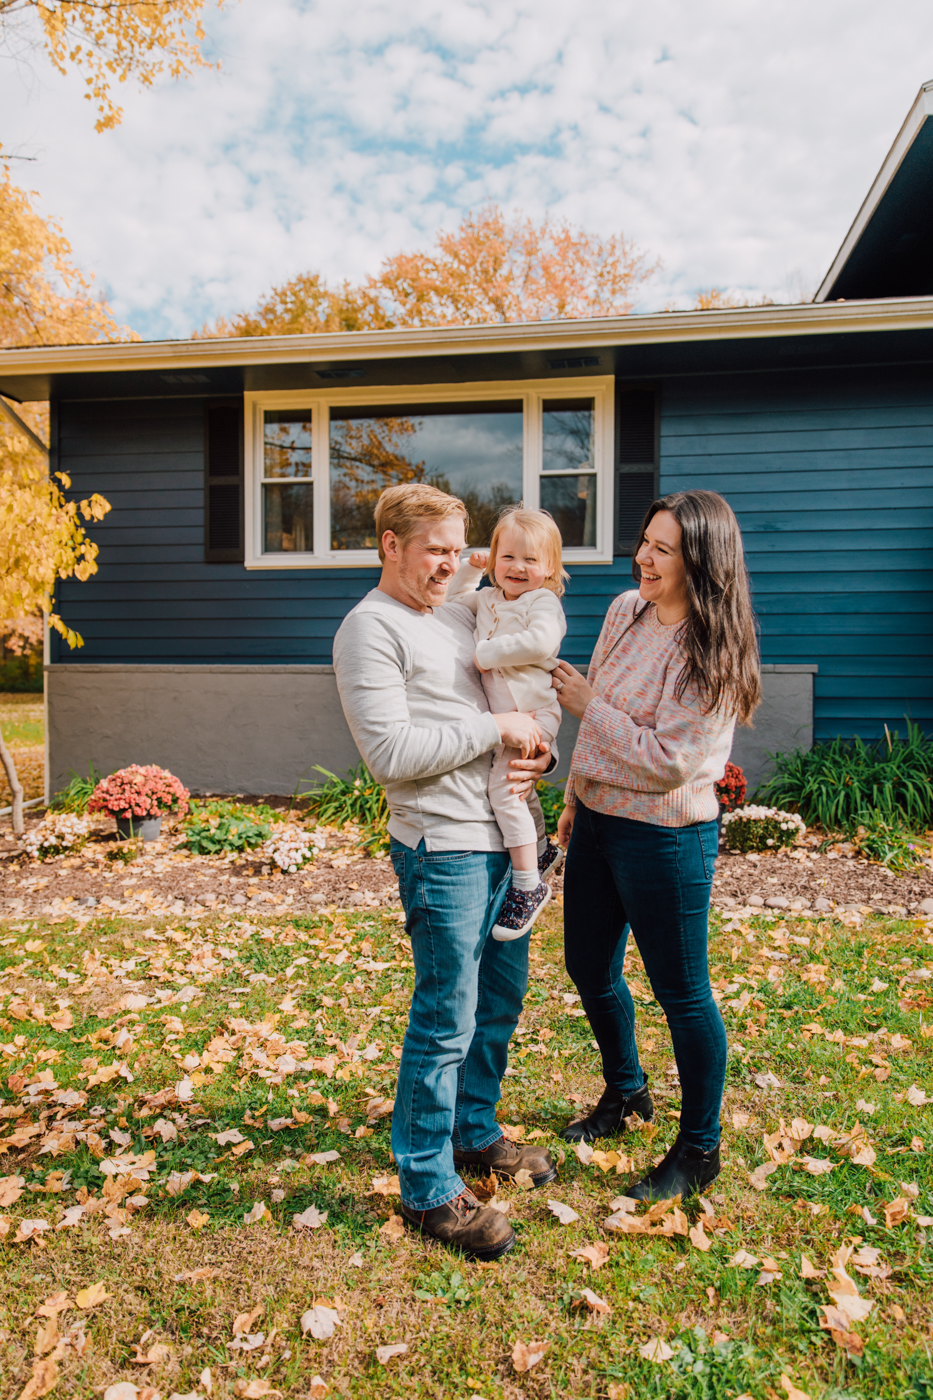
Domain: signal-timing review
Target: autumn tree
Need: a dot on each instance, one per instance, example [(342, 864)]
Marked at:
[(109, 41), (490, 270)]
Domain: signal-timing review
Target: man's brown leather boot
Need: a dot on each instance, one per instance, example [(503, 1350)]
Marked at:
[(507, 1159), (477, 1231)]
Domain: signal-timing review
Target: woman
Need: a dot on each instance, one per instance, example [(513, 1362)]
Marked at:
[(675, 665)]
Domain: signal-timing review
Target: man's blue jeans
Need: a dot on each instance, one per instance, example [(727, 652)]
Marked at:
[(656, 880), (468, 997)]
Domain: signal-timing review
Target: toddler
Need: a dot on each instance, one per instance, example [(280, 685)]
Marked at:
[(519, 628)]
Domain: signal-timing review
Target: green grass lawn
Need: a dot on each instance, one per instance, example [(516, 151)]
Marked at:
[(22, 719), (116, 1104)]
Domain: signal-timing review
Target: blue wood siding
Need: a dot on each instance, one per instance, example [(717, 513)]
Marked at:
[(831, 476), (830, 473)]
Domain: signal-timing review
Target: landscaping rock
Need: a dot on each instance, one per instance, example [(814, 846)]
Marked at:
[(926, 906), (777, 901), (823, 905), (756, 901), (238, 899)]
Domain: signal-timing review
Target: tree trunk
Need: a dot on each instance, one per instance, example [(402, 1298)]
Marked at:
[(16, 787)]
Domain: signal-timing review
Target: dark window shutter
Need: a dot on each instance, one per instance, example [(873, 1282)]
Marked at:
[(223, 482), (636, 464)]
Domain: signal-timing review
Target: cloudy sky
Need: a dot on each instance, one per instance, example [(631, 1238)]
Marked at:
[(734, 139)]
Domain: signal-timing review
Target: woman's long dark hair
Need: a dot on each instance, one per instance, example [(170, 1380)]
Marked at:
[(719, 635)]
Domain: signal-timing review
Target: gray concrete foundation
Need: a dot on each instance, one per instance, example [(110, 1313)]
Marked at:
[(262, 729)]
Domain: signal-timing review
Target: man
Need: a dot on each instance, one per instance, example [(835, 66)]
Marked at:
[(415, 706)]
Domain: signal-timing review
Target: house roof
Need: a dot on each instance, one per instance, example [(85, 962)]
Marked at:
[(28, 374), (888, 251)]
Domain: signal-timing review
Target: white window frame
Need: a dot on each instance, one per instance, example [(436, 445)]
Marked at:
[(531, 392)]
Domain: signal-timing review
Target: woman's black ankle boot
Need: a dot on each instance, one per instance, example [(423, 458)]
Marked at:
[(684, 1171), (610, 1114)]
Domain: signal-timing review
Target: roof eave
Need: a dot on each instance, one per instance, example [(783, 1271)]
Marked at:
[(922, 108), (888, 314)]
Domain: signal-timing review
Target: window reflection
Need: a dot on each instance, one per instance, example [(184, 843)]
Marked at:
[(287, 504), (569, 427), (572, 502), (472, 450)]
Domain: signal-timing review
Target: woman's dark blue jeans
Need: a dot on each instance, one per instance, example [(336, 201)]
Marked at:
[(655, 880)]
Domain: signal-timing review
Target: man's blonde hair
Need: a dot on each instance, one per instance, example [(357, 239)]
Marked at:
[(541, 529), (403, 508)]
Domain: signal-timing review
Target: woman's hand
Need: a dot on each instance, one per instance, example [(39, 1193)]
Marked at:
[(565, 825), (524, 773), (573, 689), (479, 559), (519, 731)]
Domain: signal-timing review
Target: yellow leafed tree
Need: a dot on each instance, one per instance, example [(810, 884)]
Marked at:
[(112, 40)]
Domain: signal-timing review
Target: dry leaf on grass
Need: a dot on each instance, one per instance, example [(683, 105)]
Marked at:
[(394, 1229), (894, 1213), (699, 1238), (565, 1214), (44, 1377), (386, 1186), (740, 1120), (808, 1271), (592, 1301), (792, 1392), (757, 1178), (319, 1322), (386, 1353), (320, 1159), (834, 1321), (524, 1180), (525, 1355), (741, 1259), (11, 1188), (197, 1219), (260, 1211), (917, 1097), (243, 1323), (484, 1188), (317, 1389), (597, 1254), (254, 1390), (309, 1219), (28, 1229), (92, 1297), (656, 1350)]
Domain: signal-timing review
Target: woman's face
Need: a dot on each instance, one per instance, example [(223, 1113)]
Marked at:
[(663, 573)]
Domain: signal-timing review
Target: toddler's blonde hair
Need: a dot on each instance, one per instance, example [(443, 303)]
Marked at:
[(541, 529)]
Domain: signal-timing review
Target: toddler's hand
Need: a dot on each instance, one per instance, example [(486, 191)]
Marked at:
[(479, 559)]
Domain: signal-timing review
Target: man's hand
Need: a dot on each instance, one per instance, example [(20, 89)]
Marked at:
[(524, 773), (519, 731), (565, 826)]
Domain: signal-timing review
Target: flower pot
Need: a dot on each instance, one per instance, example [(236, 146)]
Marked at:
[(148, 828)]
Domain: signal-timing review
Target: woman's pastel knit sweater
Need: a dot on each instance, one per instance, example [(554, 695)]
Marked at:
[(642, 753)]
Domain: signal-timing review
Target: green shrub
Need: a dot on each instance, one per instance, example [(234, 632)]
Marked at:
[(760, 829), (209, 832), (845, 783), (356, 799), (76, 796), (888, 843), (22, 674), (551, 797)]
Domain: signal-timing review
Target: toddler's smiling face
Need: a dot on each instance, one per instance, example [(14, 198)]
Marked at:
[(520, 567)]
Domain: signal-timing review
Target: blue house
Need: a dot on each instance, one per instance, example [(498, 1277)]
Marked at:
[(242, 474)]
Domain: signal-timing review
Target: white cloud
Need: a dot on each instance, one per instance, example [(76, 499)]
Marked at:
[(733, 138)]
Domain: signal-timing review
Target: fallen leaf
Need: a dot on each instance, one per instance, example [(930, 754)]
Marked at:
[(593, 1301), (818, 1166), (565, 1214), (317, 1389), (122, 1390), (44, 1377), (385, 1354), (198, 1219), (596, 1254), (70, 1217), (524, 1180), (485, 1188), (28, 1229), (792, 1392), (741, 1259), (740, 1120), (386, 1186), (894, 1213), (260, 1211), (254, 1390), (917, 1097), (808, 1271), (656, 1350), (92, 1297), (525, 1355), (310, 1219), (757, 1178), (394, 1229), (243, 1323), (320, 1159), (54, 1305), (320, 1322), (767, 1080), (584, 1152), (699, 1238), (11, 1188)]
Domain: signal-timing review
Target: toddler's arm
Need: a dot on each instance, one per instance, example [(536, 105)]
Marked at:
[(535, 645), (464, 584)]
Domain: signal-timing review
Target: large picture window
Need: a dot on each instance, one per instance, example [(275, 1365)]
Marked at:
[(319, 461)]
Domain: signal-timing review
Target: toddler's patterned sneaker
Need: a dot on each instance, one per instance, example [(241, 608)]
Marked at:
[(518, 913), (549, 860)]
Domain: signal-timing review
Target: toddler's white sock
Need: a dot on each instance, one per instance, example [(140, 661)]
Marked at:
[(525, 879)]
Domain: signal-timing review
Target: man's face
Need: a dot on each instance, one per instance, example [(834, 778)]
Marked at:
[(425, 563)]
